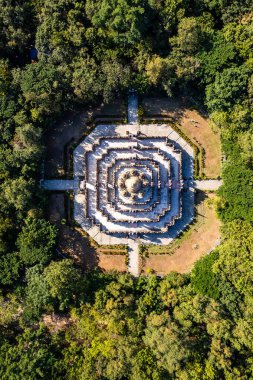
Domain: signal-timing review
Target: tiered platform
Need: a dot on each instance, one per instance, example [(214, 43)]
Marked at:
[(131, 183)]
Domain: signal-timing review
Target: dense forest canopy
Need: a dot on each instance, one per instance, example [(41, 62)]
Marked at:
[(196, 326)]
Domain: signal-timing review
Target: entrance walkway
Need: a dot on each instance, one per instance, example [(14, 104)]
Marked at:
[(207, 184), (132, 109), (58, 184), (133, 257)]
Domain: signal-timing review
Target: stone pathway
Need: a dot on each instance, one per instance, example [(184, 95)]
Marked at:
[(133, 257), (207, 184), (58, 184), (132, 109)]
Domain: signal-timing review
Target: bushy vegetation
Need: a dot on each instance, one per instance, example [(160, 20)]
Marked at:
[(179, 327)]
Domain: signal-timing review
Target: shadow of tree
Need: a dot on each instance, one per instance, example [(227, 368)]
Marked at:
[(71, 242), (75, 245), (200, 196), (162, 107)]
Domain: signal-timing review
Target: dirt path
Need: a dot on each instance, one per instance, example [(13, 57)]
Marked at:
[(64, 132)]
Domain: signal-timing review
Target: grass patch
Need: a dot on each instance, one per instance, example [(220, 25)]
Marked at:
[(106, 251)]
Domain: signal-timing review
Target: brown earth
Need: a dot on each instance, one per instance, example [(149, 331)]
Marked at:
[(56, 323), (194, 125), (110, 262), (69, 129), (72, 242), (202, 237)]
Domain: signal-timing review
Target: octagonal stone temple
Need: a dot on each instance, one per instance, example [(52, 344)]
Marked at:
[(133, 184), (130, 183)]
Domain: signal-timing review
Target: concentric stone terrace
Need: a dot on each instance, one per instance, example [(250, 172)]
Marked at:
[(131, 183)]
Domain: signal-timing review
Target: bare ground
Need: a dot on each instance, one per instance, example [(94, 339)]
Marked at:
[(64, 132), (194, 125), (56, 323), (201, 238), (72, 242), (110, 262), (69, 129)]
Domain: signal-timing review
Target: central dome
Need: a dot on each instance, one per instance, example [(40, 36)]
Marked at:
[(133, 184)]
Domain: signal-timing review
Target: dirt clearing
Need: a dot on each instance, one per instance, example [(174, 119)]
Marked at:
[(193, 125), (197, 241)]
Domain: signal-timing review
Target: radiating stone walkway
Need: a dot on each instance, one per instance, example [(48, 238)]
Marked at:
[(68, 184), (58, 184), (207, 184), (132, 108), (133, 257)]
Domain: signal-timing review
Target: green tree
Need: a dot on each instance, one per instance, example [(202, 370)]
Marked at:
[(166, 341), (145, 366), (6, 234), (188, 37), (160, 73), (10, 309), (170, 12), (220, 56), (33, 355), (42, 89), (245, 141), (203, 280), (235, 256), (36, 241), (124, 22), (38, 298), (115, 77), (18, 193), (66, 283), (229, 87), (61, 30), (5, 76), (85, 80), (240, 36), (9, 268), (194, 34), (16, 27), (236, 191)]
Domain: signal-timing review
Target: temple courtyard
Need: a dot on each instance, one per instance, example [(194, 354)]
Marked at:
[(133, 184)]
